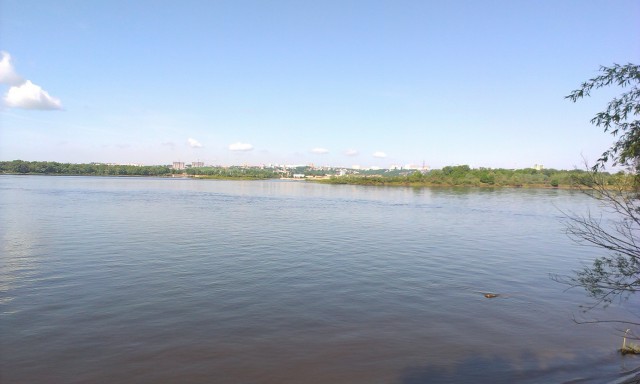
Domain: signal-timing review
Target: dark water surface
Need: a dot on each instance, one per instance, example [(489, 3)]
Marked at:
[(145, 280)]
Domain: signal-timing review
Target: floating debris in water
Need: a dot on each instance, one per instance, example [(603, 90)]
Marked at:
[(630, 348), (489, 295)]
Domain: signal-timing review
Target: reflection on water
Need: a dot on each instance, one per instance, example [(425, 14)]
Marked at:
[(19, 247), (147, 280)]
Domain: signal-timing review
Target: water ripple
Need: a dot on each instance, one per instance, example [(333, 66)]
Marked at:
[(147, 280)]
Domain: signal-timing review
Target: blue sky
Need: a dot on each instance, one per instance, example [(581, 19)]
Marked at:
[(342, 83)]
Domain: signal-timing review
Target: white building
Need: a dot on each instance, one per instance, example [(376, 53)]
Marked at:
[(178, 165)]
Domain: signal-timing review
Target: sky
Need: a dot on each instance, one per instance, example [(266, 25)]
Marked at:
[(330, 83)]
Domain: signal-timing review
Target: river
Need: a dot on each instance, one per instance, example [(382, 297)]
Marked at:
[(153, 280)]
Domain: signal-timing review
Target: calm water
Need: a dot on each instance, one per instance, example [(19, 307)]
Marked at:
[(143, 280)]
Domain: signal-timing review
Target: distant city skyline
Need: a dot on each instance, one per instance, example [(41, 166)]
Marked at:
[(373, 84)]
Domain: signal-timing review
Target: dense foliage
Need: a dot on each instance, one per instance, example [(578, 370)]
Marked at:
[(463, 175), (96, 169), (54, 168), (233, 172)]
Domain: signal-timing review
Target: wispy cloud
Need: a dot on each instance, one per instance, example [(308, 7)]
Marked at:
[(8, 74), (351, 152), (240, 147), (193, 143), (379, 154), (23, 93), (320, 151)]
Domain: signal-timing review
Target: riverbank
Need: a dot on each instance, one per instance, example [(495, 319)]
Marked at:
[(319, 180), (440, 185), (450, 176)]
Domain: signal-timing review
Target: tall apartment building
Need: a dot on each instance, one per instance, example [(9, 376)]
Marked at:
[(178, 165)]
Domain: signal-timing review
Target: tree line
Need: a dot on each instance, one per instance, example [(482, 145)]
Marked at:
[(459, 175), (463, 175), (91, 169), (98, 169), (252, 173)]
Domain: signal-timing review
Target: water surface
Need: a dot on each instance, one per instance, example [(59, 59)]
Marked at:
[(163, 280)]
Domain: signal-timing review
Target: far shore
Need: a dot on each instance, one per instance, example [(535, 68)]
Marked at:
[(319, 180), (449, 176)]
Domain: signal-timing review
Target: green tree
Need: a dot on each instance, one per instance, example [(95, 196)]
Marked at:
[(487, 177), (618, 117), (616, 274), (415, 177)]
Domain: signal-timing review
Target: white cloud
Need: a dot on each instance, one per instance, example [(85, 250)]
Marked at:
[(351, 152), (240, 147), (320, 151), (379, 154), (193, 143), (30, 96), (23, 93), (8, 75)]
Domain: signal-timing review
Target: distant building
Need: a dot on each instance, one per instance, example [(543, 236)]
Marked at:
[(538, 167), (178, 165), (197, 164)]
